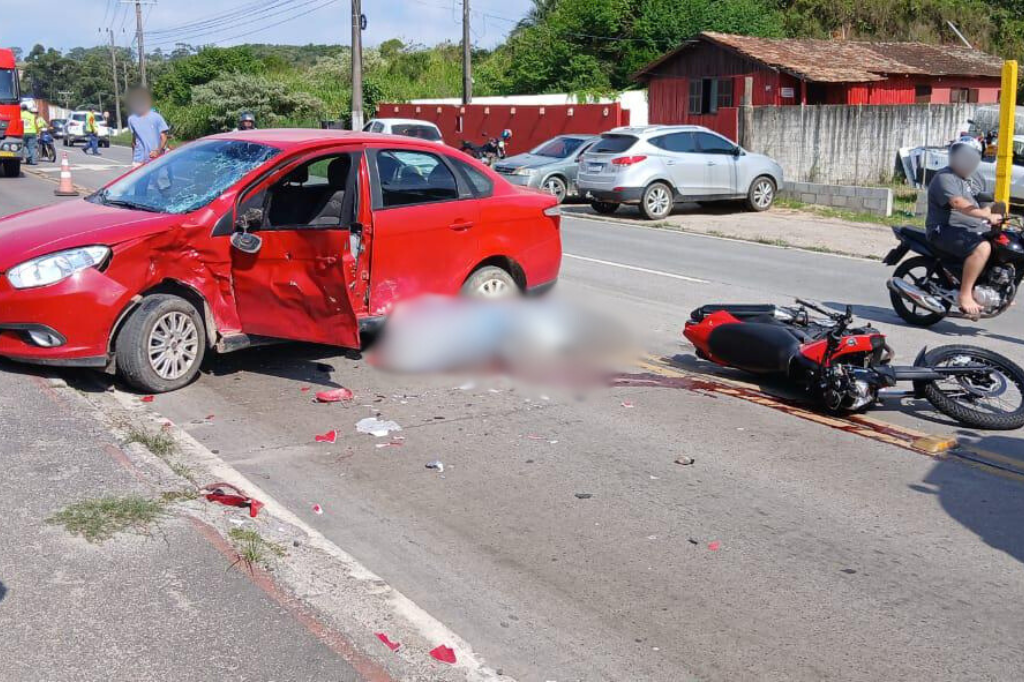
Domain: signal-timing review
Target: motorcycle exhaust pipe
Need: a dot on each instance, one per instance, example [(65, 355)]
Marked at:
[(916, 295)]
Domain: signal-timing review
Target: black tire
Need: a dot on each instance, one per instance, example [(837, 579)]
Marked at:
[(490, 281), (105, 144), (557, 187), (656, 201), (50, 154), (12, 167), (761, 194), (135, 344), (921, 318), (961, 409), (604, 207)]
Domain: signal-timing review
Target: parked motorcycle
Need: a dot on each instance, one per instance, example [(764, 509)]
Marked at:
[(47, 149), (924, 289), (847, 368), (486, 152)]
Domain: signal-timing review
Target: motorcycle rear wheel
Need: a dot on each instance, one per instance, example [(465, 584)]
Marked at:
[(919, 317), (973, 403)]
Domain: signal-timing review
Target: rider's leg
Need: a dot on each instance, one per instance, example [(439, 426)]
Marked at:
[(973, 266)]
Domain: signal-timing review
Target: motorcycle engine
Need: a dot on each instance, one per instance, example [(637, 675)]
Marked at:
[(987, 297), (1000, 275)]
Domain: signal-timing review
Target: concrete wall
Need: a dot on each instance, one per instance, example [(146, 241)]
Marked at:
[(851, 145), (876, 200)]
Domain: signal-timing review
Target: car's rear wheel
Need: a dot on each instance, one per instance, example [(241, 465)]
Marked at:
[(656, 202), (490, 282), (12, 169), (761, 194), (556, 187), (161, 345), (604, 207)]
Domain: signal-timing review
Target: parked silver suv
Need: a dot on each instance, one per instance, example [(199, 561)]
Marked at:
[(657, 166)]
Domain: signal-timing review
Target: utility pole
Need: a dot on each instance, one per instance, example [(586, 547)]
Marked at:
[(140, 37), (117, 94), (357, 65), (467, 66)]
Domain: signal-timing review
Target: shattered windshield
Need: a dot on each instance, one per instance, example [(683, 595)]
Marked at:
[(188, 178)]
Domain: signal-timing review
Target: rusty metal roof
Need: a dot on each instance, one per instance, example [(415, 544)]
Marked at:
[(843, 61)]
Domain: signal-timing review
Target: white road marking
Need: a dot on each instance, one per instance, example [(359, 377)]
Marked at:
[(659, 273), (82, 166)]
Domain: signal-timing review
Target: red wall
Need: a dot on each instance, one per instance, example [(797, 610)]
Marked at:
[(530, 124)]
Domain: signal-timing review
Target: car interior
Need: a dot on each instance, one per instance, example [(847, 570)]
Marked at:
[(313, 194), (414, 178)]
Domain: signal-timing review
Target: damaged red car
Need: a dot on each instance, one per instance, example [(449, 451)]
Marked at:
[(244, 238)]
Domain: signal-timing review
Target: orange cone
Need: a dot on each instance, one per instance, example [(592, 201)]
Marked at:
[(65, 189)]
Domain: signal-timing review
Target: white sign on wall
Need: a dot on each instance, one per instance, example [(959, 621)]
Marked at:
[(787, 93)]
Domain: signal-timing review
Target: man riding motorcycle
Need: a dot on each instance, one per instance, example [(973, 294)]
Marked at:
[(246, 121), (956, 221)]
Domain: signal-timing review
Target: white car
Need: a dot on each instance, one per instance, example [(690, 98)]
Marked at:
[(74, 129), (410, 127)]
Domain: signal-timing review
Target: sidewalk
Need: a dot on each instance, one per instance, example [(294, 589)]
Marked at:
[(161, 604), (777, 226)]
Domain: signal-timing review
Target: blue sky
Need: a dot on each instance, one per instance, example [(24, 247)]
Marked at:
[(321, 21)]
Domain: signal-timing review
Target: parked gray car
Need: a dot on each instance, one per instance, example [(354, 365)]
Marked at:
[(552, 166), (657, 166)]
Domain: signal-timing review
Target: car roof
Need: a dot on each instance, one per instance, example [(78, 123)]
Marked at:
[(292, 138), (648, 130), (405, 121)]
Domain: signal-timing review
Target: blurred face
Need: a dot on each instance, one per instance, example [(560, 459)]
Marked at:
[(964, 161), (139, 102), (246, 125)]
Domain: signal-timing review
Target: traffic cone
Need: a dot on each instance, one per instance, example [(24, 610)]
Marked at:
[(65, 189)]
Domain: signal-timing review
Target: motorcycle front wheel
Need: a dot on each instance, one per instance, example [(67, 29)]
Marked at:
[(992, 399)]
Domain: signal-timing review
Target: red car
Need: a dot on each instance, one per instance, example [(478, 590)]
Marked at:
[(241, 238)]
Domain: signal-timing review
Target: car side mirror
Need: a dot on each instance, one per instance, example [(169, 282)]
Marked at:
[(246, 242), (736, 151)]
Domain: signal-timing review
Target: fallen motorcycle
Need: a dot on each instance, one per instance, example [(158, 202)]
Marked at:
[(847, 368), (924, 289)]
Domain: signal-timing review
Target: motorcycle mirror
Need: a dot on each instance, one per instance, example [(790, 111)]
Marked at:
[(998, 207)]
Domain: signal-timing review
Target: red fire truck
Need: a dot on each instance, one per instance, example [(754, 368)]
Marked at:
[(10, 116)]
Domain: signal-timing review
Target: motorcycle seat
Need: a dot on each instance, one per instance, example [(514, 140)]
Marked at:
[(741, 311), (916, 238), (758, 347)]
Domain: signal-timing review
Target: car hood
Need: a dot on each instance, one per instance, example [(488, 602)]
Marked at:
[(528, 161), (69, 224)]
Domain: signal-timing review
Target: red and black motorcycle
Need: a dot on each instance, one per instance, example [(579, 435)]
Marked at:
[(847, 368)]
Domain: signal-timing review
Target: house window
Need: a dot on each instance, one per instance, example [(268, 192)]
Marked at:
[(972, 95), (959, 95), (923, 94), (724, 92), (696, 88)]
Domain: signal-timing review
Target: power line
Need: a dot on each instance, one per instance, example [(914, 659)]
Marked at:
[(269, 26), (191, 35), (219, 18)]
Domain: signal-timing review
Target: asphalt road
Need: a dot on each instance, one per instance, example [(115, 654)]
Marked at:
[(788, 551)]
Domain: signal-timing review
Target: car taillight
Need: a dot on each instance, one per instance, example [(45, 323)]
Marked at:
[(627, 160), (552, 211)]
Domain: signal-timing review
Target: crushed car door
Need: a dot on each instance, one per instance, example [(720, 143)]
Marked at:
[(291, 254)]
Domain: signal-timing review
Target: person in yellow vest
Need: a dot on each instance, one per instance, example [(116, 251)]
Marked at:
[(91, 132), (30, 134)]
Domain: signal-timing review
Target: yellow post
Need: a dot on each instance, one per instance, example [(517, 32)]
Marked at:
[(1007, 109)]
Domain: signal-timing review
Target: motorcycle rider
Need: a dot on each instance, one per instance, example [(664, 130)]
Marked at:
[(246, 121), (30, 133), (956, 222)]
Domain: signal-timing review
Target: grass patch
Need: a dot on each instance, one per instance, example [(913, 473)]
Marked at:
[(253, 549), (123, 138), (160, 444), (98, 520), (172, 496), (902, 211)]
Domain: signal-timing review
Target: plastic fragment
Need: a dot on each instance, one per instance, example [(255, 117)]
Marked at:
[(393, 443), (317, 509), (584, 496), (304, 389), (714, 545), (334, 396), (146, 398), (685, 461), (627, 404), (443, 653), (387, 642), (376, 427), (437, 465), (328, 437), (231, 496)]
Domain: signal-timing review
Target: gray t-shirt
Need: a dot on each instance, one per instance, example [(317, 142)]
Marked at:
[(945, 185)]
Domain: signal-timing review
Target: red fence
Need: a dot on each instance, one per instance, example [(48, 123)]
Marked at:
[(530, 124)]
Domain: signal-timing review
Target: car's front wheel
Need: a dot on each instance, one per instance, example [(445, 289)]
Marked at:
[(490, 282), (656, 202), (161, 345), (556, 187), (761, 194)]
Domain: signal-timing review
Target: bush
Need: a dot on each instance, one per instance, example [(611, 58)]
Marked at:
[(218, 103)]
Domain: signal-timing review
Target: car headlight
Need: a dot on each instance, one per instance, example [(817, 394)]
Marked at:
[(56, 267), (523, 171)]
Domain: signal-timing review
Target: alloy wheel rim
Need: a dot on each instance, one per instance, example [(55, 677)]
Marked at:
[(494, 288), (657, 201), (763, 194), (556, 188), (173, 345)]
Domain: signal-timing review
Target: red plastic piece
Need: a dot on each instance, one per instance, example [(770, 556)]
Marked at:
[(328, 437), (443, 653), (238, 498), (387, 642), (334, 396), (146, 398), (714, 545)]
